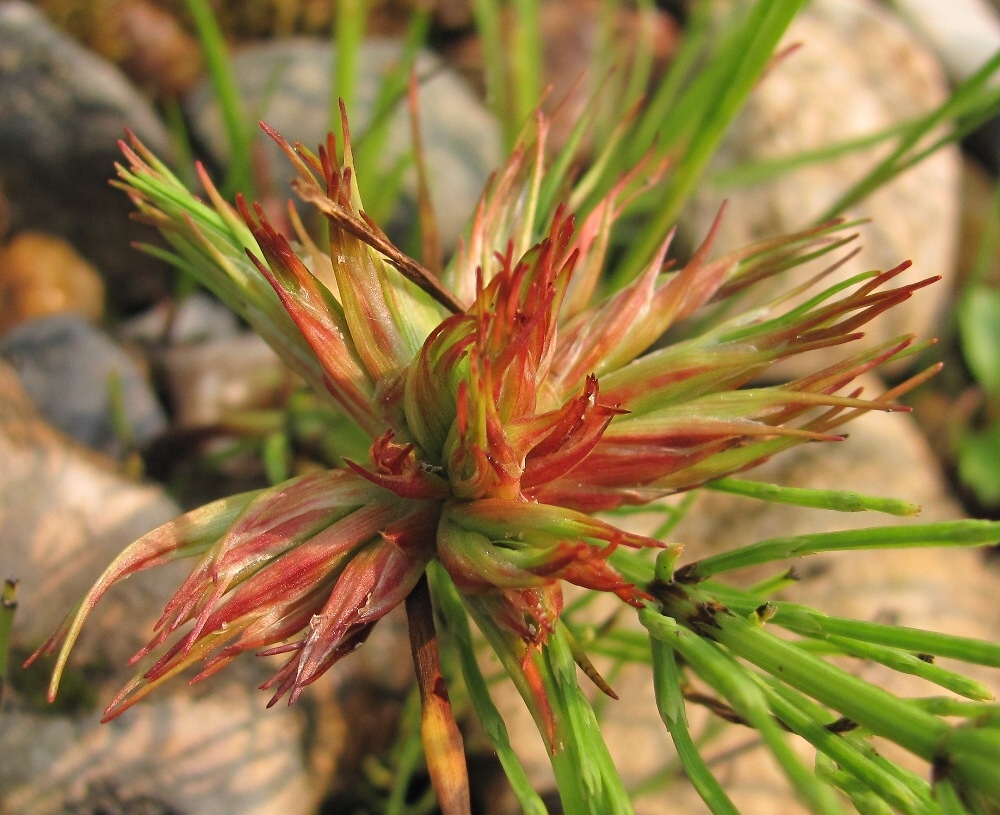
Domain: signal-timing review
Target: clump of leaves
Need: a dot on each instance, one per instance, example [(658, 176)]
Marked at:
[(507, 397)]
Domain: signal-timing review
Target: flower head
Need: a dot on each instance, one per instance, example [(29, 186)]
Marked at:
[(505, 401)]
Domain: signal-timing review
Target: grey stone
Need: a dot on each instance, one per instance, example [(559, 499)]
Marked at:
[(287, 84), (196, 318), (220, 377), (62, 112), (69, 368)]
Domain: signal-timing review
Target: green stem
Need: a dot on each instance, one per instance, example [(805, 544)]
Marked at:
[(527, 71), (587, 776), (836, 500), (904, 791), (966, 753), (903, 661), (450, 604), (874, 708), (670, 703), (735, 683), (810, 622), (545, 676)]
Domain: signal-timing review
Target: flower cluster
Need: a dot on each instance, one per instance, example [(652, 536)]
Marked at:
[(505, 399)]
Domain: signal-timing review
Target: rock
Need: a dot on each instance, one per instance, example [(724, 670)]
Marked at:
[(66, 513), (858, 71), (286, 83), (210, 367), (142, 37), (196, 318), (42, 275), (209, 751), (62, 111), (213, 754), (71, 371), (104, 798), (208, 381), (150, 46), (944, 590)]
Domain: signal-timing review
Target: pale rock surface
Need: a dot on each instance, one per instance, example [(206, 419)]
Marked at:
[(209, 380), (857, 71), (212, 750), (208, 754), (66, 513)]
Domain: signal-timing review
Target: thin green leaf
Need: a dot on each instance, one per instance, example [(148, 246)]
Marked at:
[(349, 32), (965, 96), (901, 661), (670, 704), (381, 184), (223, 77), (8, 606), (971, 753), (583, 758), (813, 623), (705, 111), (735, 684), (865, 800), (527, 73), (837, 500), (450, 604), (851, 753), (489, 25), (950, 706), (944, 534), (949, 799), (760, 172), (586, 778)]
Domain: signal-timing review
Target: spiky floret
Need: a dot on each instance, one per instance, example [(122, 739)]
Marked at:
[(504, 402)]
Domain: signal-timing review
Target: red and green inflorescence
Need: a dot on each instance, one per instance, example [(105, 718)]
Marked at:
[(505, 398)]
